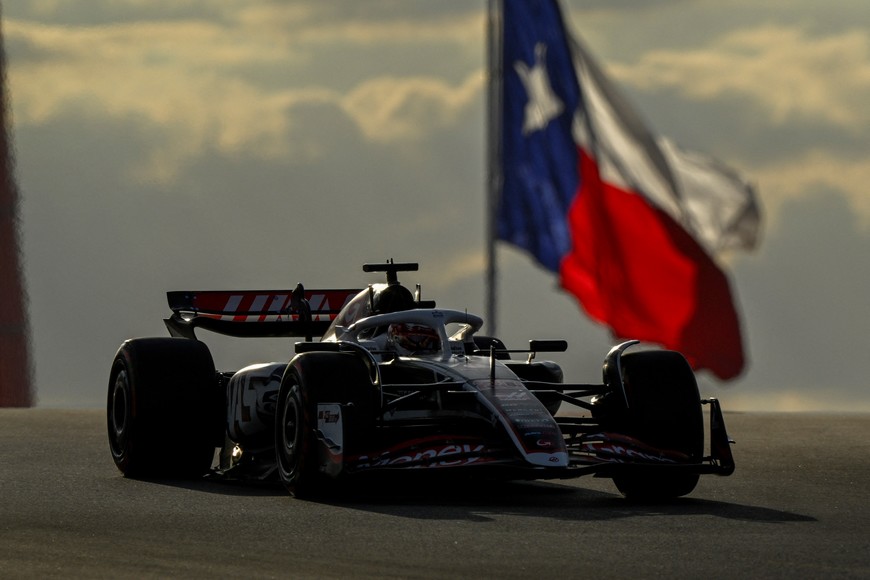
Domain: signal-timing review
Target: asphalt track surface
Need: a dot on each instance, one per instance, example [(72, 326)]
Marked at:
[(797, 507)]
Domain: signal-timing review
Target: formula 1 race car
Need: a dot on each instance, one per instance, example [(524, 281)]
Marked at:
[(395, 384)]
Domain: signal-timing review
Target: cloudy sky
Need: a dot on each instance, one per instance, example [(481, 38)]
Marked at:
[(166, 144)]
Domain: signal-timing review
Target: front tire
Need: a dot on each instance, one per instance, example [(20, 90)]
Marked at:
[(295, 437), (312, 378), (162, 408), (665, 412)]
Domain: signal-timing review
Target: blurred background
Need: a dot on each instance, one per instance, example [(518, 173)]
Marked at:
[(164, 145)]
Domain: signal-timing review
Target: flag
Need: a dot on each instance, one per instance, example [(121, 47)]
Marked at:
[(630, 222)]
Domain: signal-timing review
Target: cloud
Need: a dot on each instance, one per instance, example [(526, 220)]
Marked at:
[(786, 71), (804, 174), (194, 81), (372, 23), (167, 75), (389, 109)]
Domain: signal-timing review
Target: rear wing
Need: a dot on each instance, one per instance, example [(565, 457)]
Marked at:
[(255, 313)]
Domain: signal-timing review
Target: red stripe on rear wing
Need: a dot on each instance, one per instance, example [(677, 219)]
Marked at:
[(253, 312)]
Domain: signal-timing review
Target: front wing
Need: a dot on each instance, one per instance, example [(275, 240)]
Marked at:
[(590, 452)]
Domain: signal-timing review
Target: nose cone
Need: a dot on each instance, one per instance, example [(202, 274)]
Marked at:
[(527, 421)]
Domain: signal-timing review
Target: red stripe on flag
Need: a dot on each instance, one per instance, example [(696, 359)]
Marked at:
[(635, 269)]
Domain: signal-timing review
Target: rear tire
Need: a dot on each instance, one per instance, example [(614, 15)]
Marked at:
[(163, 408), (665, 412)]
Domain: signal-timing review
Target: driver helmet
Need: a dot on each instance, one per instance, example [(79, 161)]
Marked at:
[(393, 298), (413, 339)]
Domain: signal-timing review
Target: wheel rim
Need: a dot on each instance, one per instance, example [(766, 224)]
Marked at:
[(120, 412), (290, 424)]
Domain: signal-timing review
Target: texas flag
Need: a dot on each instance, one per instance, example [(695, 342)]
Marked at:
[(628, 221)]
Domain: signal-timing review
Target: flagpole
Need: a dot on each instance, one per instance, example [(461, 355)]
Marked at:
[(494, 174)]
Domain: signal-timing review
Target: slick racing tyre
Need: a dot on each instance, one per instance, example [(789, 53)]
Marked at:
[(312, 378), (164, 408), (665, 412)]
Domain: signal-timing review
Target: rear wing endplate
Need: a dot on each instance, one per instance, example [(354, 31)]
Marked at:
[(255, 313)]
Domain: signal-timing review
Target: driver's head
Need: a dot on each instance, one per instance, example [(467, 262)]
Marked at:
[(413, 339)]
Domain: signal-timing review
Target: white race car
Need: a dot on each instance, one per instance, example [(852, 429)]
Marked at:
[(396, 385)]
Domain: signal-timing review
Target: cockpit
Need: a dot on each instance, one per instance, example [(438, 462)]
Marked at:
[(376, 299), (388, 318)]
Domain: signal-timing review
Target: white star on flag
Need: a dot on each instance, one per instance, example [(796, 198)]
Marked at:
[(543, 105)]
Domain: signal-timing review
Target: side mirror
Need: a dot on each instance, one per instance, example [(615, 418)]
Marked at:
[(548, 345)]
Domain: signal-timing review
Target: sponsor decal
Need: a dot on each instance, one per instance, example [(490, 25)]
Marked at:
[(517, 395), (330, 432), (252, 394), (327, 416), (266, 306), (424, 454), (615, 452)]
